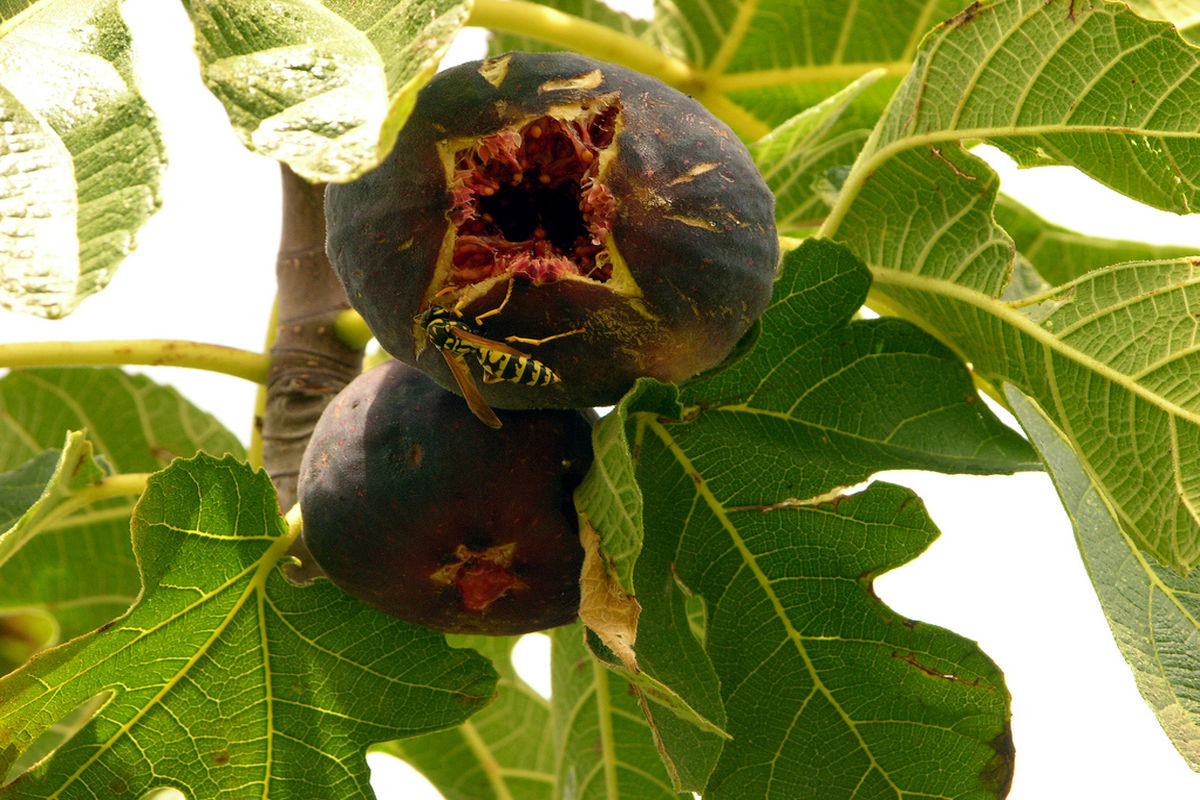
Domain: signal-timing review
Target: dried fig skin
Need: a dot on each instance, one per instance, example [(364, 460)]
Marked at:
[(414, 507), (690, 229)]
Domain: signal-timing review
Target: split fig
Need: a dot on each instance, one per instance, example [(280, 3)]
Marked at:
[(591, 218), (415, 508)]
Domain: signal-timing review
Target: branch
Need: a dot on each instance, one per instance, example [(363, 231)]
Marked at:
[(309, 361)]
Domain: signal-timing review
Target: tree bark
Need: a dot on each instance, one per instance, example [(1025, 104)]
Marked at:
[(309, 363)]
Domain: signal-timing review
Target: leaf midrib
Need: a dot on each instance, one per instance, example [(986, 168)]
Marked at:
[(1015, 320), (720, 513)]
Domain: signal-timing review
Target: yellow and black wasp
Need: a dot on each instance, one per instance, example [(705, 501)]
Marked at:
[(500, 362)]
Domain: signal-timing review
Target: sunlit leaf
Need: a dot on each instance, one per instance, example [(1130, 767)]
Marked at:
[(223, 675), (1061, 255), (1152, 610), (56, 477), (80, 152), (796, 157), (79, 570), (1185, 14), (773, 58), (322, 85), (1039, 80), (1111, 358)]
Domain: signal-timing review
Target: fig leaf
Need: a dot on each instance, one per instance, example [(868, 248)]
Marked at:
[(321, 86), (83, 152), (311, 694)]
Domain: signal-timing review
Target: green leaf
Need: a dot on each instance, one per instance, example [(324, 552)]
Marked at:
[(56, 478), (80, 569), (322, 85), (609, 496), (1180, 12), (1118, 342), (926, 211), (755, 65), (82, 152), (810, 389), (1053, 82), (1038, 79), (224, 677), (1152, 610), (504, 752), (675, 678), (819, 403), (1060, 255), (847, 398), (802, 688), (605, 748), (796, 157), (774, 58), (734, 513)]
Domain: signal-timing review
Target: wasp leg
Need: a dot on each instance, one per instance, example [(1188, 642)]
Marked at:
[(507, 294), (535, 342)]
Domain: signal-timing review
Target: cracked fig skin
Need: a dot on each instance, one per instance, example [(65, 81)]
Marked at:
[(592, 217), (414, 507)]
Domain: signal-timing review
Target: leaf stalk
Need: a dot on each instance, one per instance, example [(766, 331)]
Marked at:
[(150, 352), (583, 36)]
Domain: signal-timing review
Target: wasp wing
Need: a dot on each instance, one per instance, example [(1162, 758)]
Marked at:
[(466, 383)]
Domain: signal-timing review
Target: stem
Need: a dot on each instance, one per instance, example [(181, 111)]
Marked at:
[(582, 36), (254, 452), (150, 352), (111, 486), (352, 329)]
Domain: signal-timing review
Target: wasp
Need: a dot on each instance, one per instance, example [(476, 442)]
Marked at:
[(457, 340)]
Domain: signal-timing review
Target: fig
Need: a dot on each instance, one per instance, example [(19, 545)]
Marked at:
[(412, 506), (599, 224)]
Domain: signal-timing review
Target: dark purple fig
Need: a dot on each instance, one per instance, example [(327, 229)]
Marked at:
[(415, 508), (584, 215)]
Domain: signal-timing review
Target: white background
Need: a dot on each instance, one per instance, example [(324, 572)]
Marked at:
[(1004, 572)]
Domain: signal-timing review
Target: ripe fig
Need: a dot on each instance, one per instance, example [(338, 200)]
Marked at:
[(594, 220), (414, 507)]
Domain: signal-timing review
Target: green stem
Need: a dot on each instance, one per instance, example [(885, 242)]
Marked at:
[(606, 44), (254, 454), (112, 486), (582, 36), (295, 523), (150, 352), (352, 330)]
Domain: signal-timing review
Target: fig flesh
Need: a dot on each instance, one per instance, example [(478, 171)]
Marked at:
[(415, 508), (603, 224)]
